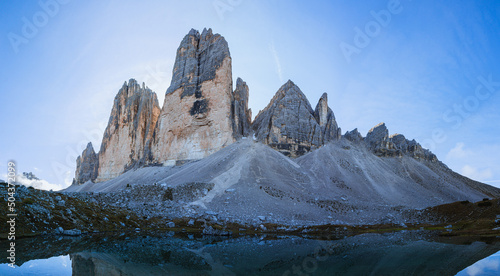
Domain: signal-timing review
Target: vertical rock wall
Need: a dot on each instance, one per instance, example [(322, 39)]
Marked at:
[(197, 118), (131, 124), (87, 165)]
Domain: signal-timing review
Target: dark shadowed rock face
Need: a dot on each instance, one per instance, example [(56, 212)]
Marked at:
[(377, 135), (198, 59), (354, 136), (125, 143), (86, 166), (242, 115), (289, 124)]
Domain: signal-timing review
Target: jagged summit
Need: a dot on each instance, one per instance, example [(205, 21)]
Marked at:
[(290, 125), (87, 165), (192, 147), (200, 115), (130, 128), (198, 59), (379, 141), (203, 118), (353, 136)]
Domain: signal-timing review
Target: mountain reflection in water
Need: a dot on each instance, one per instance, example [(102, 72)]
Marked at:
[(400, 253)]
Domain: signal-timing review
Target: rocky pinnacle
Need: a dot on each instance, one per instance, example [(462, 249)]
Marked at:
[(289, 124)]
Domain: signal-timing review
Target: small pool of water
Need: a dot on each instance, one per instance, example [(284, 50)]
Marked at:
[(401, 253), (489, 266)]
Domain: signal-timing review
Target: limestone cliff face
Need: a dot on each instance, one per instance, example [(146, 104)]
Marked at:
[(86, 166), (291, 126), (125, 143), (197, 118)]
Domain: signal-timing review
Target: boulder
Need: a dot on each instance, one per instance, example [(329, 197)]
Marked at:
[(73, 232), (215, 232)]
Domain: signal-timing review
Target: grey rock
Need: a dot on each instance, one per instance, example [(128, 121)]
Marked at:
[(416, 151), (289, 124), (399, 141), (87, 165), (198, 114), (215, 232), (396, 145), (58, 198), (190, 222), (377, 135), (170, 224), (73, 232), (354, 136), (197, 60), (379, 142), (326, 119), (242, 114), (59, 230), (61, 203), (131, 125), (262, 218)]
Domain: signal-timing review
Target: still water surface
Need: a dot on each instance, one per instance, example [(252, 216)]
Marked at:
[(401, 253)]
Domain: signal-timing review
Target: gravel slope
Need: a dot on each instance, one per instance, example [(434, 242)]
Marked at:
[(340, 183)]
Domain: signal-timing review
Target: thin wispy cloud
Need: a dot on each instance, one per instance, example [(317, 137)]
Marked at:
[(277, 61), (408, 77)]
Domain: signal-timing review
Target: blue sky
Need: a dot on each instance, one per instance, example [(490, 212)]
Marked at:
[(428, 70)]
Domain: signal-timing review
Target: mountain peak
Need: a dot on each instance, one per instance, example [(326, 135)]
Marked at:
[(130, 128), (290, 125), (86, 165), (200, 115)]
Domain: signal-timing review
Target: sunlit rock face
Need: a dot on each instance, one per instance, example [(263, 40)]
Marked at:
[(87, 165), (290, 125), (197, 118), (125, 143)]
